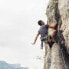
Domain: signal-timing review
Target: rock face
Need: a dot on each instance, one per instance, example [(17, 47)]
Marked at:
[(57, 57)]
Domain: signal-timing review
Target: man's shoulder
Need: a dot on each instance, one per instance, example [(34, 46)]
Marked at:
[(46, 25)]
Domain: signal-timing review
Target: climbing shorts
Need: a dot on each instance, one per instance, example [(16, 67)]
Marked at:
[(46, 38)]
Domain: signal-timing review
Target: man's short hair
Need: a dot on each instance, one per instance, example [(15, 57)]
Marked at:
[(39, 22)]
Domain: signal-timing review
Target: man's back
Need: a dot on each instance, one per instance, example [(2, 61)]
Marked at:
[(43, 31)]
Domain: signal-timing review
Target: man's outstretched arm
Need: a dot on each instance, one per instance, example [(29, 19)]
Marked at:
[(53, 26), (35, 38)]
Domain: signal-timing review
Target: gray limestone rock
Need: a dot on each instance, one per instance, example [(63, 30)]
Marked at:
[(57, 57)]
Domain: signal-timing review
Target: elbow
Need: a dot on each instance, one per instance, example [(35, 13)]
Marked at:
[(53, 27)]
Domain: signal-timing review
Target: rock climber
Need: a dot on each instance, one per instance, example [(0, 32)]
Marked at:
[(43, 31)]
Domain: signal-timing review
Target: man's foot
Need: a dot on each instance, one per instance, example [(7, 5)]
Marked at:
[(41, 47)]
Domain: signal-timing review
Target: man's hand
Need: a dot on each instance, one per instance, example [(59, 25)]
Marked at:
[(33, 43)]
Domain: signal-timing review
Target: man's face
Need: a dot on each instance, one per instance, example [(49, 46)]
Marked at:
[(42, 23)]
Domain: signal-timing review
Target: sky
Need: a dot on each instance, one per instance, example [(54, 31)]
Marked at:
[(18, 27)]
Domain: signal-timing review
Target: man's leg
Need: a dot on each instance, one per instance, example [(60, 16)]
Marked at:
[(41, 45), (54, 33), (53, 36), (49, 39)]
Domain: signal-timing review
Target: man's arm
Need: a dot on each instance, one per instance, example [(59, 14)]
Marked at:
[(35, 38), (53, 26)]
